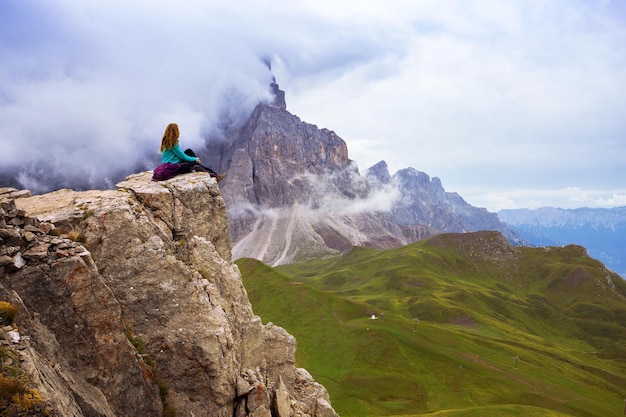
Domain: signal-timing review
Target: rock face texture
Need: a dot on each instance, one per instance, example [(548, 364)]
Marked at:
[(277, 160), (129, 305), (293, 193), (424, 201)]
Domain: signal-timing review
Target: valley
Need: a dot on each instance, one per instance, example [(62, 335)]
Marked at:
[(465, 324)]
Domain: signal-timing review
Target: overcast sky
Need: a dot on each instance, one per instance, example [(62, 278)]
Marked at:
[(517, 103)]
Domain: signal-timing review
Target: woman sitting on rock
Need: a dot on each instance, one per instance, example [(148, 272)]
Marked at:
[(174, 161)]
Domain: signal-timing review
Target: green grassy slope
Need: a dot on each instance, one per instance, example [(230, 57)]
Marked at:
[(501, 331)]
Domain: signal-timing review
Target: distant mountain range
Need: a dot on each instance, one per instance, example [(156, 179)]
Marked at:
[(601, 231)]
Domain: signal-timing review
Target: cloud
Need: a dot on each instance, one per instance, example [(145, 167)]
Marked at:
[(327, 194), (487, 96), (568, 197), (506, 95), (379, 200), (88, 88)]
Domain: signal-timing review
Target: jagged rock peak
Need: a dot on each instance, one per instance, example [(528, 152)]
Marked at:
[(279, 96), (129, 305), (413, 175), (283, 172), (275, 158), (379, 172)]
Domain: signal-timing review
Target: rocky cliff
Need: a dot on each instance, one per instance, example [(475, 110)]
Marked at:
[(424, 201), (293, 193), (128, 304)]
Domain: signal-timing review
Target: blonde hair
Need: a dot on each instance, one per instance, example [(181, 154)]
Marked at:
[(170, 137)]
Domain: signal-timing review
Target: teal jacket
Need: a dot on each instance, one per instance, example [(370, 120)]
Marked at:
[(175, 155)]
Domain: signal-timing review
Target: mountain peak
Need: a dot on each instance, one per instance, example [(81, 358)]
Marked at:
[(379, 172), (293, 194), (488, 245), (279, 96)]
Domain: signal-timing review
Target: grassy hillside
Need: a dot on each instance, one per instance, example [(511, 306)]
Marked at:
[(466, 325)]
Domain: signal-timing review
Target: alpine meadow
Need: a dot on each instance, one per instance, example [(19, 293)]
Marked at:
[(456, 325)]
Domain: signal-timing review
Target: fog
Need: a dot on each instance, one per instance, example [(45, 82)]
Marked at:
[(511, 104), (86, 90)]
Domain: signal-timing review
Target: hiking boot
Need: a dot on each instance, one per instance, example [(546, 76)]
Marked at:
[(220, 177)]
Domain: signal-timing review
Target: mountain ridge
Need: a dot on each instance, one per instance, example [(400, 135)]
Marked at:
[(282, 171), (455, 325), (600, 230), (554, 216)]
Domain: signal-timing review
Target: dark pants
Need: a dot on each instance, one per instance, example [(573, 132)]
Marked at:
[(186, 167)]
